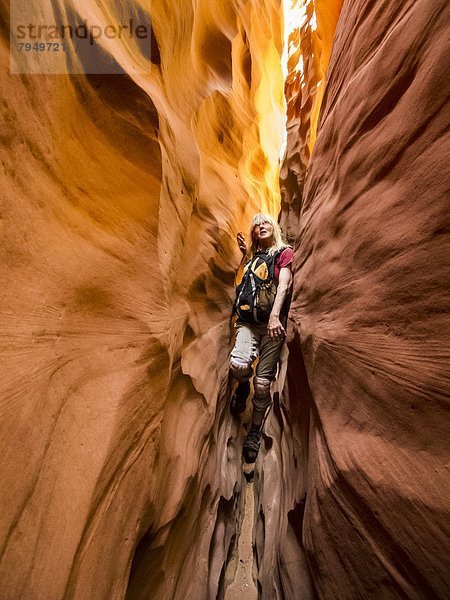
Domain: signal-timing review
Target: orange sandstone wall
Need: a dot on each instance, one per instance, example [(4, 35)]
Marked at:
[(309, 48), (121, 198)]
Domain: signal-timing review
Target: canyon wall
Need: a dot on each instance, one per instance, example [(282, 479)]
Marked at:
[(370, 309), (122, 194)]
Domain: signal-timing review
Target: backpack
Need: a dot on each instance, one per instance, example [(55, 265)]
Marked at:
[(255, 293)]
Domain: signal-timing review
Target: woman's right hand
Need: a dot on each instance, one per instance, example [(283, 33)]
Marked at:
[(241, 243)]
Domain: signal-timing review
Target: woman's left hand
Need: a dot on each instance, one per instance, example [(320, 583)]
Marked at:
[(274, 327)]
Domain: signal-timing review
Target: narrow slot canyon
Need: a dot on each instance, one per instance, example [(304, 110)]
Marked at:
[(129, 166)]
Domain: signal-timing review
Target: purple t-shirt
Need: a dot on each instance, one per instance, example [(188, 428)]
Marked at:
[(283, 260)]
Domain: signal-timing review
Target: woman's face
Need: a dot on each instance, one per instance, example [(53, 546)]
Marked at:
[(263, 233)]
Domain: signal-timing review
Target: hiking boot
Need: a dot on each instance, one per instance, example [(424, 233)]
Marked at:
[(251, 444), (239, 400)]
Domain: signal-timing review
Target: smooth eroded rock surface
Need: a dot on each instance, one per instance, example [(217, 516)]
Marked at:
[(371, 305), (121, 198)]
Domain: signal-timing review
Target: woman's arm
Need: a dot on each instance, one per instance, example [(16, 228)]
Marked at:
[(274, 326)]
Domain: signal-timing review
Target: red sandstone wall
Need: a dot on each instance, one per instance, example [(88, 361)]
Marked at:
[(370, 303)]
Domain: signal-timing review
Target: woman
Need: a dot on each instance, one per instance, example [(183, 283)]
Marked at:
[(262, 307)]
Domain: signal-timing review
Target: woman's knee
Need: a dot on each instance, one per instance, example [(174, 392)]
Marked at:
[(262, 398), (240, 369)]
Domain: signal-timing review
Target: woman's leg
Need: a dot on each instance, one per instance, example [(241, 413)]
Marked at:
[(269, 354), (242, 356), (245, 351)]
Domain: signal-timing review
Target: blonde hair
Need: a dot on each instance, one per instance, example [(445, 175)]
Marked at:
[(278, 240)]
